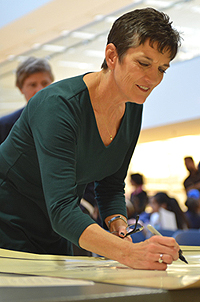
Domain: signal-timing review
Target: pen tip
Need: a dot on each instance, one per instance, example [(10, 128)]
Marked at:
[(181, 257)]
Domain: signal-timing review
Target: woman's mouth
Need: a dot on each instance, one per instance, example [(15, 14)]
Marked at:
[(143, 88)]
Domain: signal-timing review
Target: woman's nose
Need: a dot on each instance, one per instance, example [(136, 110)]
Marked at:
[(39, 87), (153, 76)]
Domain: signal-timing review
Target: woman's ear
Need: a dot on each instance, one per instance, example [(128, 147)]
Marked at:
[(111, 55), (21, 90)]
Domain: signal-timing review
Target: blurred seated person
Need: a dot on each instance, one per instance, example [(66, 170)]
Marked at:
[(138, 199), (89, 204), (166, 213), (32, 75), (192, 214), (193, 179)]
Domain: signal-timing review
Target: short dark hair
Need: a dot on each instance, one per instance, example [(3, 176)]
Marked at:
[(189, 157), (137, 178), (135, 27), (30, 66)]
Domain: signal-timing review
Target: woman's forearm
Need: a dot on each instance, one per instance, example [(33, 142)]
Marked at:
[(101, 242), (143, 255)]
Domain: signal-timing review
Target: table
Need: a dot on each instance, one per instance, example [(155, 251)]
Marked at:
[(93, 290)]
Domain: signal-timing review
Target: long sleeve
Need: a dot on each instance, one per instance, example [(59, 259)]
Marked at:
[(55, 136), (53, 151)]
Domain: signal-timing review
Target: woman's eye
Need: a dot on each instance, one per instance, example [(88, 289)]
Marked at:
[(32, 85), (162, 70), (143, 64)]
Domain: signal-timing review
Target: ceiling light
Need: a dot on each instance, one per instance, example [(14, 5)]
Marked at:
[(79, 65), (82, 35), (94, 53), (53, 48), (157, 3)]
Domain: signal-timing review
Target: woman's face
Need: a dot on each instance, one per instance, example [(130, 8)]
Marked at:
[(140, 71), (154, 205), (34, 83)]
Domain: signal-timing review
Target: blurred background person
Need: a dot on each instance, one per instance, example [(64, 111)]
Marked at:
[(193, 179), (193, 205), (166, 213), (138, 198), (32, 75), (88, 205)]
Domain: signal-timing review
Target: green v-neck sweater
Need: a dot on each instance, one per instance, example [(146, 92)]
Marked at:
[(52, 152)]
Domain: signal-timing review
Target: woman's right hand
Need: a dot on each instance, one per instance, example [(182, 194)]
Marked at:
[(154, 253)]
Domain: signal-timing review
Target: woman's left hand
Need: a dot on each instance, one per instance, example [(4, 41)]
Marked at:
[(121, 232)]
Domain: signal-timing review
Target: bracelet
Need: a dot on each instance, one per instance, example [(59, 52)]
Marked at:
[(115, 218)]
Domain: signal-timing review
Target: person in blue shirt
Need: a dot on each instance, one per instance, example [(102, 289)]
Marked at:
[(32, 75), (193, 211)]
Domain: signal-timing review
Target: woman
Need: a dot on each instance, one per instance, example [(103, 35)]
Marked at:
[(167, 214), (80, 130)]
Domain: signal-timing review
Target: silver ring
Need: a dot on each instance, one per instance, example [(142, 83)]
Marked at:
[(160, 260)]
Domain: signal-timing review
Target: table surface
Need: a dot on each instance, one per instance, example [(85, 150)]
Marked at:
[(95, 291)]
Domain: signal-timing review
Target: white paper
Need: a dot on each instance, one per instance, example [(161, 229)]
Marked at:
[(37, 281)]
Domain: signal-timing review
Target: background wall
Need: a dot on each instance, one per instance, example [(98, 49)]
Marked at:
[(12, 10), (177, 98)]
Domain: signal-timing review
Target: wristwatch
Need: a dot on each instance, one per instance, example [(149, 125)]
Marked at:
[(115, 218)]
